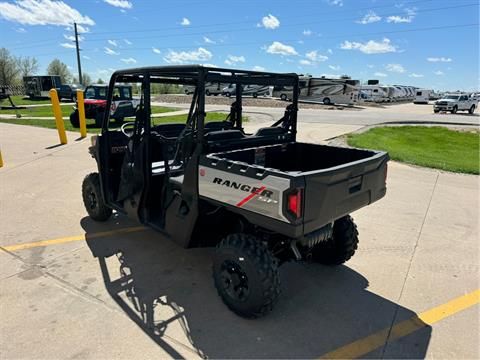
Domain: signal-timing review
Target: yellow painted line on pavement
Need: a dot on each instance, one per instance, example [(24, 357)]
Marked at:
[(72, 238), (372, 342)]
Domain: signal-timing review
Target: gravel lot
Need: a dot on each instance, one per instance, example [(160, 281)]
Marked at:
[(247, 101)]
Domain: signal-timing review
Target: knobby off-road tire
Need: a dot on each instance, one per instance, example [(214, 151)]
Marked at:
[(93, 199), (246, 275), (99, 119), (341, 246), (74, 119)]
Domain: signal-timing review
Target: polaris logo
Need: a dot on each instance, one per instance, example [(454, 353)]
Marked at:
[(261, 191)]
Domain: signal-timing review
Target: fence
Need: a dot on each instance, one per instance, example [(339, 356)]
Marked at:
[(14, 89)]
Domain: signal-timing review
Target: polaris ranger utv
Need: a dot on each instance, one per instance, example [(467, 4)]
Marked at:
[(261, 199), (122, 105)]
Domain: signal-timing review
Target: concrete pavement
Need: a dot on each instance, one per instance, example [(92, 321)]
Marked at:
[(137, 295)]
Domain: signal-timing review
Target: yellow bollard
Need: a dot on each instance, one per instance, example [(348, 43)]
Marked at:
[(81, 114), (58, 116), (1, 159)]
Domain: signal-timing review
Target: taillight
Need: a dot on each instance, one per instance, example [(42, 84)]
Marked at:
[(295, 203)]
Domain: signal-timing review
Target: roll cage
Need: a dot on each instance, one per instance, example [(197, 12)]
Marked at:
[(152, 175), (199, 76)]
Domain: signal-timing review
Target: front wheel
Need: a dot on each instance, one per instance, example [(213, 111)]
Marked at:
[(471, 110), (227, 94), (454, 110), (326, 101), (207, 92), (98, 119), (341, 246), (246, 275), (255, 95), (93, 199), (283, 97), (74, 119)]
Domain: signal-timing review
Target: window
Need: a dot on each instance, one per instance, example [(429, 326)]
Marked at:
[(102, 93), (419, 93), (90, 93), (126, 93)]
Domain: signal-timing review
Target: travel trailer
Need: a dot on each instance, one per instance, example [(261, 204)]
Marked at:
[(374, 93), (422, 96), (323, 90), (40, 86), (211, 88)]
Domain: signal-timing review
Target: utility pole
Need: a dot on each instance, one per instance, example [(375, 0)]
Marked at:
[(78, 55)]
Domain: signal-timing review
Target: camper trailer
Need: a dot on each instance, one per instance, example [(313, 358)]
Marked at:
[(39, 86), (375, 93), (422, 96), (323, 90)]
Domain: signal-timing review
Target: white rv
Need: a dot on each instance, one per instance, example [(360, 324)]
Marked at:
[(323, 90), (422, 96), (374, 93)]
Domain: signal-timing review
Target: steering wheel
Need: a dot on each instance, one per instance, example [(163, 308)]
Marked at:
[(128, 128)]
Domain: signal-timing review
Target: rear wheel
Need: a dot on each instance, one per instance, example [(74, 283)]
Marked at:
[(207, 92), (327, 101), (74, 119), (283, 97), (472, 109), (454, 110), (93, 199), (227, 94), (436, 111), (341, 246), (246, 275), (254, 95)]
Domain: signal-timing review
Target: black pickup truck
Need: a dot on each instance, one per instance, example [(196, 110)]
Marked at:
[(262, 199)]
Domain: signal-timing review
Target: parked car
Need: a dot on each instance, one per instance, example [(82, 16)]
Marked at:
[(123, 104), (261, 199), (456, 102), (68, 91)]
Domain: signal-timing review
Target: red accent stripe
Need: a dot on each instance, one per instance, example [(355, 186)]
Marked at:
[(251, 196)]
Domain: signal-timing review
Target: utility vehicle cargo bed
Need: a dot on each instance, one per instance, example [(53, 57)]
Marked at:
[(333, 181)]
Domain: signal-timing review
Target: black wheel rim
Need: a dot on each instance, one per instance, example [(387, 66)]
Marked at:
[(92, 199), (234, 281)]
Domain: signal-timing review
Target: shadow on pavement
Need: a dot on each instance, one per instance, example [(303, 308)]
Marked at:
[(168, 292)]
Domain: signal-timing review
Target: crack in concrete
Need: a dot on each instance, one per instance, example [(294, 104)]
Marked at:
[(408, 269)]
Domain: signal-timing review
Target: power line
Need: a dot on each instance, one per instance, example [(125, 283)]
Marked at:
[(53, 40), (323, 37), (284, 26)]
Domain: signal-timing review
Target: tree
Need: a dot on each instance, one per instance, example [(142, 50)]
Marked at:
[(56, 67), (27, 66), (100, 81), (87, 80), (8, 68)]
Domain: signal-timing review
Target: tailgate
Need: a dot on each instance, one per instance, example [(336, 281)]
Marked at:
[(338, 191)]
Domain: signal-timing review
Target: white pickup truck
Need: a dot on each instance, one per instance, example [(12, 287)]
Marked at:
[(455, 102)]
